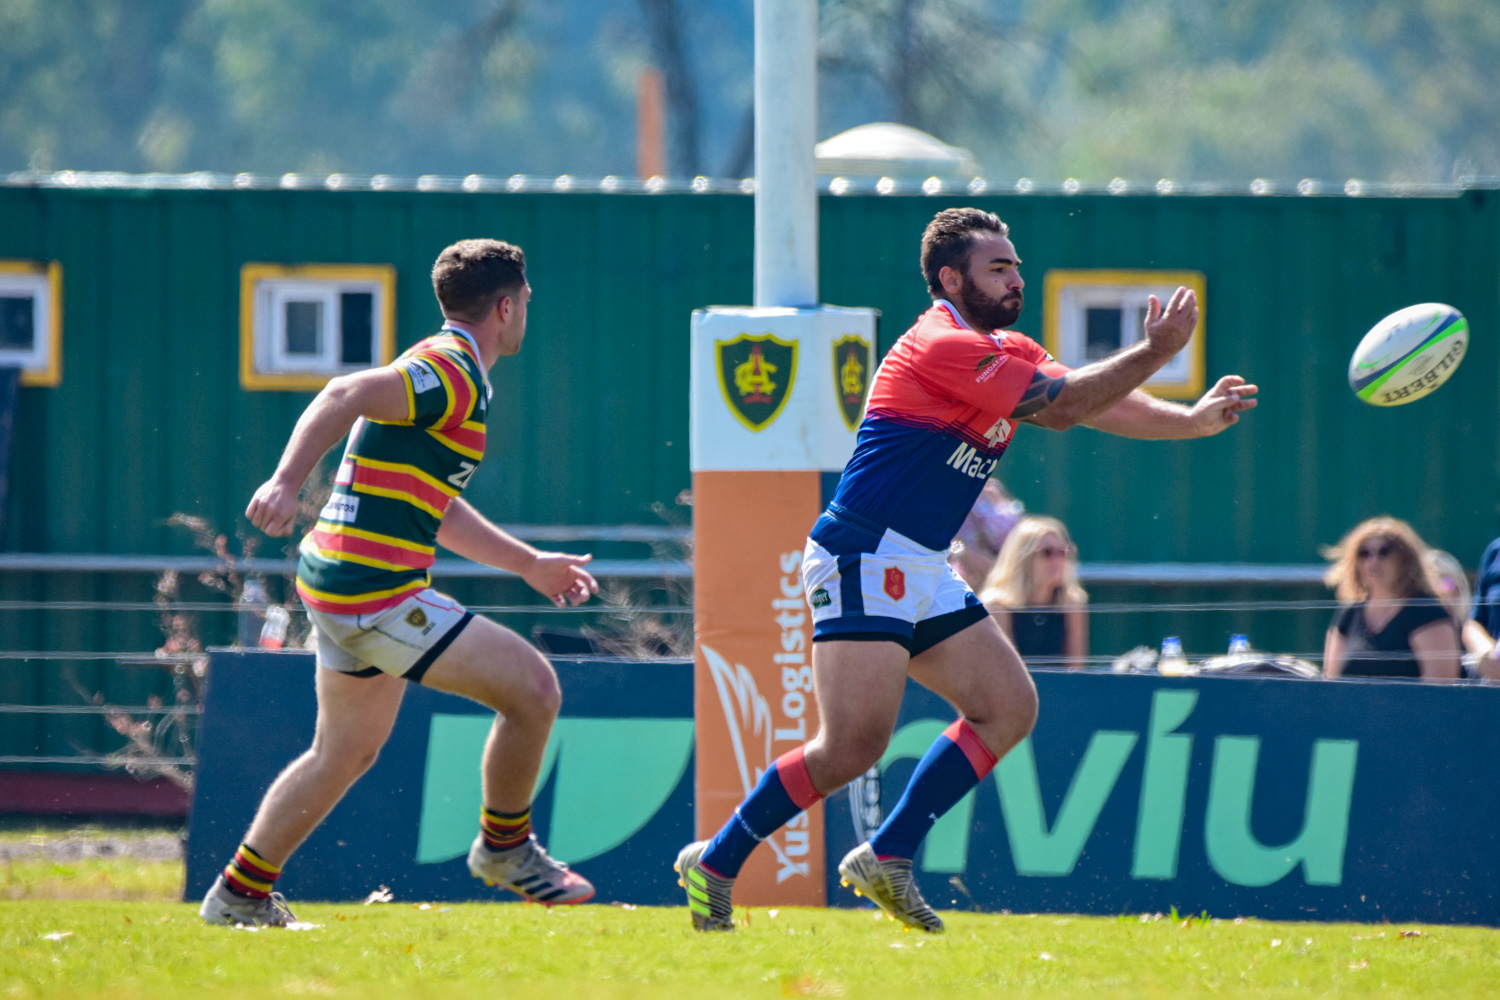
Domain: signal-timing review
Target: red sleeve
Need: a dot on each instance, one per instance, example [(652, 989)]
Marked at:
[(1036, 354), (975, 370)]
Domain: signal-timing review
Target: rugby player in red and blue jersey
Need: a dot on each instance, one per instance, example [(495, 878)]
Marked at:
[(416, 432), (943, 408)]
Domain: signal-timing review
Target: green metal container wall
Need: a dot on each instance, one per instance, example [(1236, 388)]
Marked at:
[(1292, 285), (591, 418), (589, 423)]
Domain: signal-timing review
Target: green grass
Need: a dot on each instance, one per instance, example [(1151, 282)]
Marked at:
[(154, 947), (94, 879), (163, 951), (117, 878)]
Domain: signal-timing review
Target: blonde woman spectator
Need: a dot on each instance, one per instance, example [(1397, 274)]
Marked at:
[(1393, 625), (1033, 592)]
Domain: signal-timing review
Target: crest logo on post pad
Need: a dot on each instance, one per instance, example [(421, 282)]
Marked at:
[(851, 376), (756, 372)]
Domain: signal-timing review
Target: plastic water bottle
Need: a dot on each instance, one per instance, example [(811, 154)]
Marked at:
[(273, 634), (1172, 662), (1239, 644), (252, 599)]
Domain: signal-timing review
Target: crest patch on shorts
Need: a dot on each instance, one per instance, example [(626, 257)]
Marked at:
[(895, 583), (416, 618)]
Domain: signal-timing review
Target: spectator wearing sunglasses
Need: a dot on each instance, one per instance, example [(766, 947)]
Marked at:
[(1033, 593), (1393, 624)]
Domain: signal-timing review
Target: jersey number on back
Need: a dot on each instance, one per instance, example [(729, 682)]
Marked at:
[(461, 477)]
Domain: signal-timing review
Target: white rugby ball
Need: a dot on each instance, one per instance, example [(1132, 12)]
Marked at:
[(1408, 354)]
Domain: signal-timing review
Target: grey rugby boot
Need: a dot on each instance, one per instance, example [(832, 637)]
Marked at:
[(889, 885), (230, 909), (707, 893), (530, 872)]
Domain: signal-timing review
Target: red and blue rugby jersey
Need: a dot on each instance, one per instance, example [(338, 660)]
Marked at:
[(938, 419)]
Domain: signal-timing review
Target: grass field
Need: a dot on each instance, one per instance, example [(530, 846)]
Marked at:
[(107, 946), (90, 863)]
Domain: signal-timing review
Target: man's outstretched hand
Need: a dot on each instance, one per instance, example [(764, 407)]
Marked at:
[(1170, 327), (1222, 405), (562, 578)]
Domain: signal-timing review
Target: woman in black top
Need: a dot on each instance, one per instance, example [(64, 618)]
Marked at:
[(1393, 624), (1033, 593)]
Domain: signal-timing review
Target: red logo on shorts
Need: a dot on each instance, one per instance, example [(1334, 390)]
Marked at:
[(895, 583)]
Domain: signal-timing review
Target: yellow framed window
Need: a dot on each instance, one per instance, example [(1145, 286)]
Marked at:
[(1090, 314), (31, 320), (303, 324)]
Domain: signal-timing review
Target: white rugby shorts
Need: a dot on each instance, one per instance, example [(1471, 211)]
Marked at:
[(402, 640), (894, 590)]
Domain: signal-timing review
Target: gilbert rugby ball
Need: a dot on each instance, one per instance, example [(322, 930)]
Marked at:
[(1408, 354)]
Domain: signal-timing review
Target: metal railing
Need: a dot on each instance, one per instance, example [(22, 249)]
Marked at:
[(1147, 574)]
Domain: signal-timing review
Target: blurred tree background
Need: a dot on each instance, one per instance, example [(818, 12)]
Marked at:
[(1383, 90)]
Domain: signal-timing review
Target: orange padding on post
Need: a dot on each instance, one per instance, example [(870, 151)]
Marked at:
[(981, 759), (796, 779)]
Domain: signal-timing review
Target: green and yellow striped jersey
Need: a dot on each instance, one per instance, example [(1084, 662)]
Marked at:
[(377, 536)]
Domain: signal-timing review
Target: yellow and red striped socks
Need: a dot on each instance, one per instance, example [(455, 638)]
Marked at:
[(503, 831), (250, 875)]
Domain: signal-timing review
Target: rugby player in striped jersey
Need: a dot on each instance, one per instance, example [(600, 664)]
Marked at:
[(416, 432)]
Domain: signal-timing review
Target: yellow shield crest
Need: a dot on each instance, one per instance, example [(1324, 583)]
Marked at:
[(756, 372), (852, 361)]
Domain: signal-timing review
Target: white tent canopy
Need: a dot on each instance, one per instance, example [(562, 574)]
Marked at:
[(886, 149)]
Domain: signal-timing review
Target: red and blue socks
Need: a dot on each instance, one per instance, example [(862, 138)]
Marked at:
[(503, 831), (956, 762), (250, 875), (784, 790)]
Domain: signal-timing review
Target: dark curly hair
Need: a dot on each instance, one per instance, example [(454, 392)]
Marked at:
[(948, 237)]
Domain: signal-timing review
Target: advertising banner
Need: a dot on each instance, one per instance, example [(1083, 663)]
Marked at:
[(1272, 798), (614, 798), (1275, 798), (777, 395)]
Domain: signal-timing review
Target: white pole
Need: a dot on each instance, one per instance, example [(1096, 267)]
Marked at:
[(786, 112)]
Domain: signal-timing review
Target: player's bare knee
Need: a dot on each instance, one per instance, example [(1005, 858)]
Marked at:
[(1010, 723), (546, 693), (1023, 711), (364, 760), (349, 758), (1003, 718), (853, 755), (536, 695)]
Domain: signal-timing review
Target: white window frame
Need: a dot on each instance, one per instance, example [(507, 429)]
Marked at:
[(42, 283), (265, 291), (1069, 294)]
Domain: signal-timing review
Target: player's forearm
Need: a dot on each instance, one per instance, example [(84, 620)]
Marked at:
[(1092, 389), (322, 425), (470, 534), (1141, 415)]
